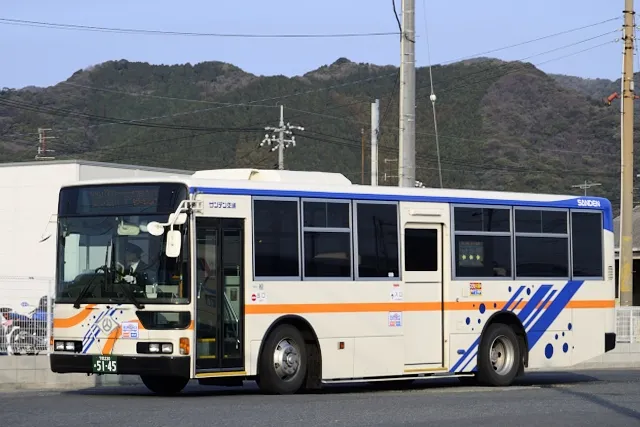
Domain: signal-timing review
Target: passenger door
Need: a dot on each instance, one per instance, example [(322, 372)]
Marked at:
[(423, 284), (219, 294)]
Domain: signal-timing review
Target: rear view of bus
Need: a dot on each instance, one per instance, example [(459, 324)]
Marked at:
[(122, 305)]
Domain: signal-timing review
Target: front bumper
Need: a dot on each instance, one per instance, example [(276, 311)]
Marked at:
[(127, 365), (609, 341)]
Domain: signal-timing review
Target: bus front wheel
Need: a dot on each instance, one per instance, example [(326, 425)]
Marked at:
[(499, 356), (164, 386), (283, 362)]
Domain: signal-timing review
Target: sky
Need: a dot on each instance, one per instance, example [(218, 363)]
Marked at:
[(466, 28)]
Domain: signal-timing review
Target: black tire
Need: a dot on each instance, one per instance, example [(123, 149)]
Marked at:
[(283, 378), (506, 368), (164, 386)]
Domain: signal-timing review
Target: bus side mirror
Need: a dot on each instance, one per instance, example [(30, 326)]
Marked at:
[(155, 228), (174, 240)]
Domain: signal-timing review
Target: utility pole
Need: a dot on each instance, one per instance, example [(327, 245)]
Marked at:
[(281, 130), (586, 185), (42, 145), (375, 130), (626, 197), (407, 136)]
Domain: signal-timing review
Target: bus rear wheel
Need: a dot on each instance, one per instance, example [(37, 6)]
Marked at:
[(164, 386), (283, 362), (499, 356)]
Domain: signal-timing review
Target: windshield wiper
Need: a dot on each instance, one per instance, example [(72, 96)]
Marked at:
[(130, 295), (88, 286)]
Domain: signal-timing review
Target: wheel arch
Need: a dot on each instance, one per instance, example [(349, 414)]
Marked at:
[(312, 344), (510, 319)]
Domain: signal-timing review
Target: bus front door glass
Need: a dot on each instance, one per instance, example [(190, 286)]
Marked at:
[(219, 307)]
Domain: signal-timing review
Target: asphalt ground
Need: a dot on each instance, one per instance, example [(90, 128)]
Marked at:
[(584, 398)]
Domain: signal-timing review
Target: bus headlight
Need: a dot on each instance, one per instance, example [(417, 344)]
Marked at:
[(75, 346), (156, 347)]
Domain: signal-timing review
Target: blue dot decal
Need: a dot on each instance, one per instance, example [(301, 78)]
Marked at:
[(570, 326), (509, 288), (548, 351), (563, 334), (479, 321), (528, 291), (556, 336), (468, 320), (565, 347), (482, 308)]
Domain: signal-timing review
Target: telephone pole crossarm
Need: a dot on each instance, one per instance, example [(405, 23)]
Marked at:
[(586, 185), (277, 138)]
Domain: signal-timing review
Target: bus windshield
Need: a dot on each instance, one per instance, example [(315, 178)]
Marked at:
[(107, 255)]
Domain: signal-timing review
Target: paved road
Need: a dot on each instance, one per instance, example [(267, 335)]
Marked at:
[(587, 398)]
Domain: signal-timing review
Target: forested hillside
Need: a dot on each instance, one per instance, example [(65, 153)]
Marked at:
[(502, 125)]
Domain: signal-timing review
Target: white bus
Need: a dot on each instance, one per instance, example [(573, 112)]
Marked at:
[(298, 279)]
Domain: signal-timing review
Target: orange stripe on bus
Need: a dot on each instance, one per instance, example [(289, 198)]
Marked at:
[(592, 304), (74, 320), (360, 308), (401, 306), (111, 341)]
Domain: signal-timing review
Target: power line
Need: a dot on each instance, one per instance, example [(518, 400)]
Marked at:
[(139, 31), (275, 98), (66, 112), (506, 65), (515, 69), (572, 30), (469, 165), (250, 103), (433, 95), (253, 103)]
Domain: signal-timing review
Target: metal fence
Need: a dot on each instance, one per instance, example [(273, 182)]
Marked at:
[(628, 324), (26, 305)]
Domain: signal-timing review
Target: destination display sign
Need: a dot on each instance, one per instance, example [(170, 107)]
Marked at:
[(126, 199)]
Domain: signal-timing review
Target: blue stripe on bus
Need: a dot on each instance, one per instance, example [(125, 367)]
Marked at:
[(473, 347), (539, 327), (605, 205)]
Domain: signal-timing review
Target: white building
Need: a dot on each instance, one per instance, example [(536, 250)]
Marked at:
[(29, 199)]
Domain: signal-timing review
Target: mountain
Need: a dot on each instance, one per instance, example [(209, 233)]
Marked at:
[(502, 125)]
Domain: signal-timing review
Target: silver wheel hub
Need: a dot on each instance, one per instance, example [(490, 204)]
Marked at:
[(502, 355), (286, 359)]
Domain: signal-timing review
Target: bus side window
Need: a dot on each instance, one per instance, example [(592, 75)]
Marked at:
[(420, 249)]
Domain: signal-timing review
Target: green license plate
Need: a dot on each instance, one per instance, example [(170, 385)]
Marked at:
[(105, 364)]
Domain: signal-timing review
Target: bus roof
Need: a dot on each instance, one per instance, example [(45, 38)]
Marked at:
[(279, 183)]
